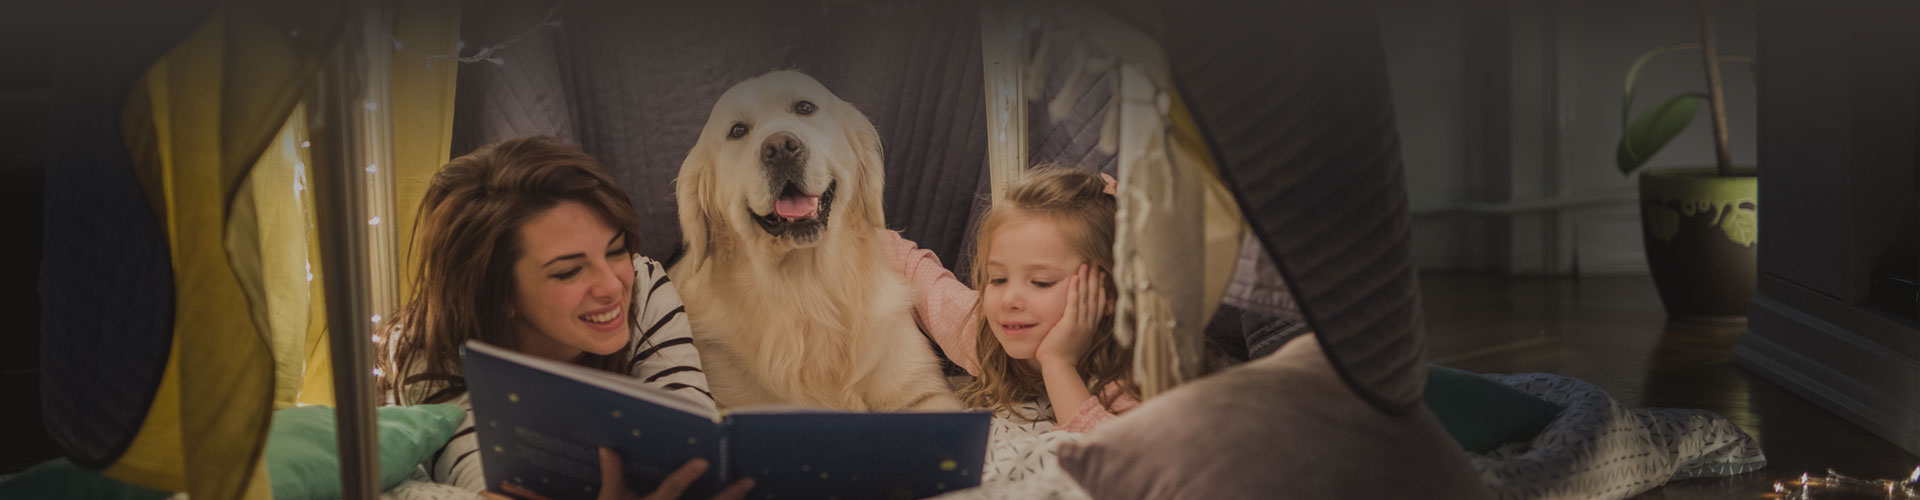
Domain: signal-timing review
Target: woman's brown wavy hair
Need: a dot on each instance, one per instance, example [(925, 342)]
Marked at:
[(467, 239)]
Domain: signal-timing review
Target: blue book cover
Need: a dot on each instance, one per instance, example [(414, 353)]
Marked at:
[(539, 423)]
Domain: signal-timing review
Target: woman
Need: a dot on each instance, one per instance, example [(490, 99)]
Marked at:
[(529, 244)]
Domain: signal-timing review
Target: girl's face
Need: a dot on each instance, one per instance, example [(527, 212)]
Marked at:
[(1028, 264), (572, 285)]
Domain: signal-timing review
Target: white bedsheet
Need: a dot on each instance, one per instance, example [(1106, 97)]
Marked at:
[(1021, 459)]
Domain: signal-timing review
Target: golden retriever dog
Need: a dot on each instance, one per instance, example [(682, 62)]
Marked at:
[(785, 275)]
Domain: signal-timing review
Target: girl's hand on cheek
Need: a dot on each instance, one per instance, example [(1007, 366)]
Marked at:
[(1071, 337)]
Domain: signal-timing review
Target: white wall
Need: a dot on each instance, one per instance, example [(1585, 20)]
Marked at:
[(1510, 111), (1426, 51)]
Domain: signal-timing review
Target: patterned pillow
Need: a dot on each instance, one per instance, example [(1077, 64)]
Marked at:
[(303, 458)]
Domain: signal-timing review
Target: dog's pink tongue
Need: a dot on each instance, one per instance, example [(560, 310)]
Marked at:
[(797, 207)]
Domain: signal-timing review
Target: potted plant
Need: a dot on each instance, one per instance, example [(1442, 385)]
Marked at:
[(1700, 224)]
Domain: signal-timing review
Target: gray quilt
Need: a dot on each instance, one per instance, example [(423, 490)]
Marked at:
[(632, 82)]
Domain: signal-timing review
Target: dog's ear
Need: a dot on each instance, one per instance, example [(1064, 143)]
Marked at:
[(864, 141), (692, 190)]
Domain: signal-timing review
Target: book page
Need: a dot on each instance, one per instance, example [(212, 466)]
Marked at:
[(616, 382)]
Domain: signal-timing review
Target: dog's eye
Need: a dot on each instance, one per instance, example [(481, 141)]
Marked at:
[(804, 108), (739, 130)]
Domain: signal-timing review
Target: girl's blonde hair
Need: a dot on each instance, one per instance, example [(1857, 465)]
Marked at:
[(468, 239), (1077, 202)]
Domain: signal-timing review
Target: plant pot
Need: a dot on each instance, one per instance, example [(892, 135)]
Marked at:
[(1700, 231)]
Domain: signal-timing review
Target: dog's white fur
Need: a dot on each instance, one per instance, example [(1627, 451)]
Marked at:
[(823, 323)]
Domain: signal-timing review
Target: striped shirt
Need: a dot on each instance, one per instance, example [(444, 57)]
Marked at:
[(663, 356)]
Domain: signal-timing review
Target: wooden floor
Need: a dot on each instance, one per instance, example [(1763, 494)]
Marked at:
[(1613, 333)]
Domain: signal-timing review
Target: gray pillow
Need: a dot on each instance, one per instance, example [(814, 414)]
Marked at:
[(1282, 426)]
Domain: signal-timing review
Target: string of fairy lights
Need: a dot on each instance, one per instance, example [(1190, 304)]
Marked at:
[(488, 54), (1809, 487)]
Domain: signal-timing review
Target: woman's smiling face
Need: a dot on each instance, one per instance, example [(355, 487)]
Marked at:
[(572, 284)]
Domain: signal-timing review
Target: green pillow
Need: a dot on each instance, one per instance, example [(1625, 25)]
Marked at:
[(303, 460), (1482, 414), (59, 478)]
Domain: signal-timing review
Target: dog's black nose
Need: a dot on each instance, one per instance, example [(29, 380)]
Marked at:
[(781, 147)]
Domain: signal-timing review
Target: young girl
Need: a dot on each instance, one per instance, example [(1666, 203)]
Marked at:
[(529, 244), (1046, 322)]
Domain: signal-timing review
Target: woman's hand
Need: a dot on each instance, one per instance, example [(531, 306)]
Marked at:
[(1072, 336), (613, 484)]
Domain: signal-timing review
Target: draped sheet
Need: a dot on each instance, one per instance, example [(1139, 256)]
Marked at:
[(177, 312), (1293, 98)]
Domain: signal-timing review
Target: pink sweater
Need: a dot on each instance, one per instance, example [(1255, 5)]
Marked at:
[(943, 307), (1092, 413)]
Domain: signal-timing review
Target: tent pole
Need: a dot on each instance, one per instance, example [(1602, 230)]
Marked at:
[(1003, 42), (351, 130)]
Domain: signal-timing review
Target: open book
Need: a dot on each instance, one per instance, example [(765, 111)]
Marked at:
[(540, 423)]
